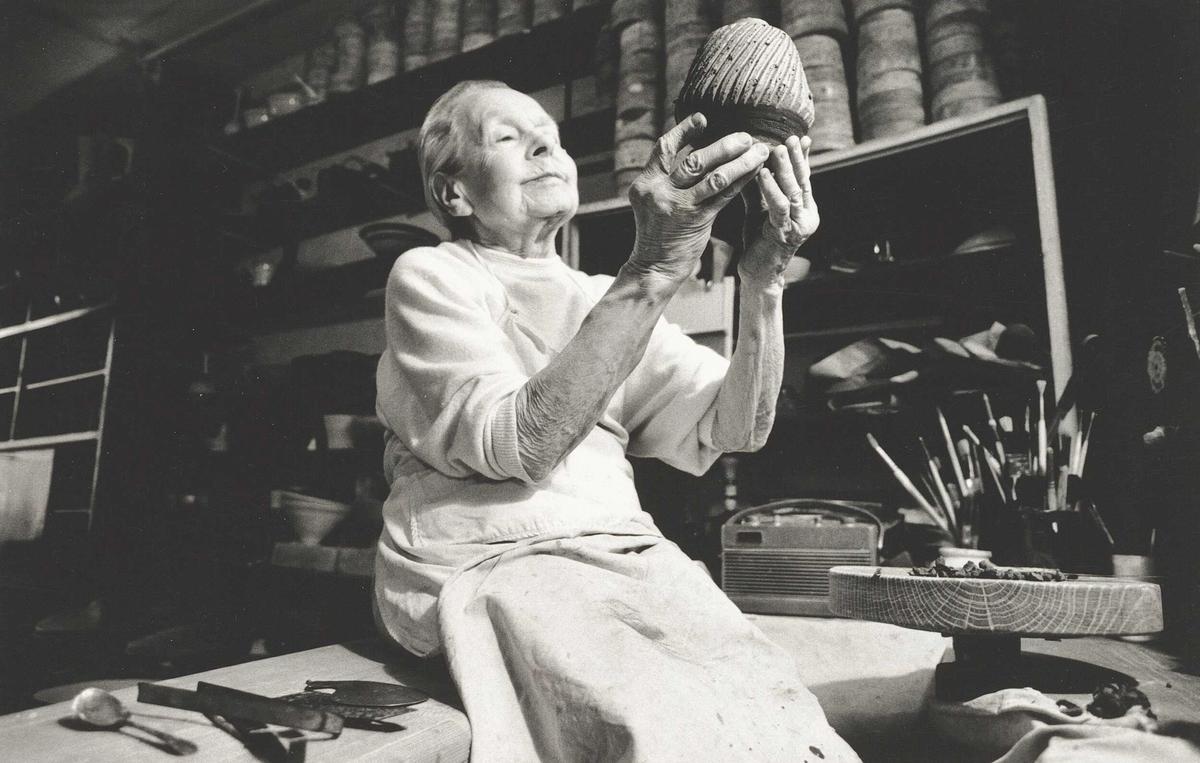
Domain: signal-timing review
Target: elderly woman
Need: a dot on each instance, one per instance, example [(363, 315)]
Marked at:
[(514, 388)]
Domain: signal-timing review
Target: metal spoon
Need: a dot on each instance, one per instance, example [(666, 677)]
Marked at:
[(103, 710)]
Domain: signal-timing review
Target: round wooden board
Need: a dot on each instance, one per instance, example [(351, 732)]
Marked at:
[(960, 606)]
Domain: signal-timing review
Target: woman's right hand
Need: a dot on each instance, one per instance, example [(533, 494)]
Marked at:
[(677, 196)]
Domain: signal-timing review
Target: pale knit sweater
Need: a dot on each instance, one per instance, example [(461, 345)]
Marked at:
[(466, 327)]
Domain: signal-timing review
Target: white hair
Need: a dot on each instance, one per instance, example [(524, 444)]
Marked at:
[(441, 144)]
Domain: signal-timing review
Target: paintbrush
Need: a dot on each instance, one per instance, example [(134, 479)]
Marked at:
[(994, 466), (1044, 465), (1099, 520), (936, 476), (958, 473), (906, 483), (964, 452), (1087, 440), (991, 422), (1027, 434)]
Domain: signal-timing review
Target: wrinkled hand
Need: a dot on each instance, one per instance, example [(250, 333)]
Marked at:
[(791, 217), (678, 195)]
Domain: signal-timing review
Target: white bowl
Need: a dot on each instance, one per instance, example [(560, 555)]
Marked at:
[(312, 521), (957, 557)]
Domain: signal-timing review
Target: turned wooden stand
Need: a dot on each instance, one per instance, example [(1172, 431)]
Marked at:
[(988, 619)]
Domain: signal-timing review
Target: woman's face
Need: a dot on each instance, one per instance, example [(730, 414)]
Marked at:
[(516, 175)]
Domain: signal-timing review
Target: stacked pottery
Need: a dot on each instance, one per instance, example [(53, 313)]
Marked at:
[(961, 74), (735, 10), (818, 28), (548, 10), (383, 41), (417, 33), (638, 98), (686, 29), (350, 42), (889, 93), (607, 55), (318, 70), (512, 17), (445, 38), (479, 23)]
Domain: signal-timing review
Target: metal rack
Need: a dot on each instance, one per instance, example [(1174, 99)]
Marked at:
[(12, 442)]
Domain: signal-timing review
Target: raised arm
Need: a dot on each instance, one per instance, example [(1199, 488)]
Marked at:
[(674, 205), (746, 401)]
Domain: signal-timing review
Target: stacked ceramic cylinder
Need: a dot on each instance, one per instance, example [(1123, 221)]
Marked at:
[(639, 89), (889, 92), (384, 59), (445, 29), (350, 45), (512, 17), (418, 30), (818, 27), (318, 69), (478, 23), (548, 10), (687, 26), (732, 10), (962, 77)]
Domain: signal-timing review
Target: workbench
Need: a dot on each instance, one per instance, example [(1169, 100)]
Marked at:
[(874, 681)]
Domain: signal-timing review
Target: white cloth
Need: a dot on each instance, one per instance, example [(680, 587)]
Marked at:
[(1023, 725), (466, 328), (24, 493), (611, 648)]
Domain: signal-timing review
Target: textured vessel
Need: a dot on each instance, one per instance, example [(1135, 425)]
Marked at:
[(748, 76)]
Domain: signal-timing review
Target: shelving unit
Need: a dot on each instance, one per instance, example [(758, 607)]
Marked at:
[(925, 193), (551, 53), (56, 373), (1027, 115)]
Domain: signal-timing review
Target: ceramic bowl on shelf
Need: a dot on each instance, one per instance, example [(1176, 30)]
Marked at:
[(311, 518), (389, 240)]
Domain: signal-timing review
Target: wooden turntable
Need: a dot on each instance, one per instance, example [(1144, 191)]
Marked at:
[(988, 618)]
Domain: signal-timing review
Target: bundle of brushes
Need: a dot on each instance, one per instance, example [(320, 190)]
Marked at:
[(1046, 465), (1031, 467)]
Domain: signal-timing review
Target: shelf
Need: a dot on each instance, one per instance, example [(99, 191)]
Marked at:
[(47, 441), (396, 193), (338, 560), (929, 135), (938, 132), (64, 379), (50, 320), (867, 329), (547, 55), (888, 269), (313, 298)]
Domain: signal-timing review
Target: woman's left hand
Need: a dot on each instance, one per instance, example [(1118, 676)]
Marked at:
[(791, 212)]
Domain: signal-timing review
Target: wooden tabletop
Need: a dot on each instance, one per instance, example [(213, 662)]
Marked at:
[(435, 730), (438, 730), (1174, 695)]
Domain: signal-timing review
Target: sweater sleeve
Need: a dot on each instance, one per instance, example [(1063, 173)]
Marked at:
[(670, 400), (448, 377)]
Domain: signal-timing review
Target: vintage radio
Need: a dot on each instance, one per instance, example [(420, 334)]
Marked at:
[(775, 558)]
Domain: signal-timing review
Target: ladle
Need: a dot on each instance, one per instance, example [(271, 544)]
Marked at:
[(101, 709)]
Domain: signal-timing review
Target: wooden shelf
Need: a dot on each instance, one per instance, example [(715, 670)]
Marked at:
[(47, 441), (398, 192), (338, 560), (50, 320), (64, 379), (549, 54), (888, 269)]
